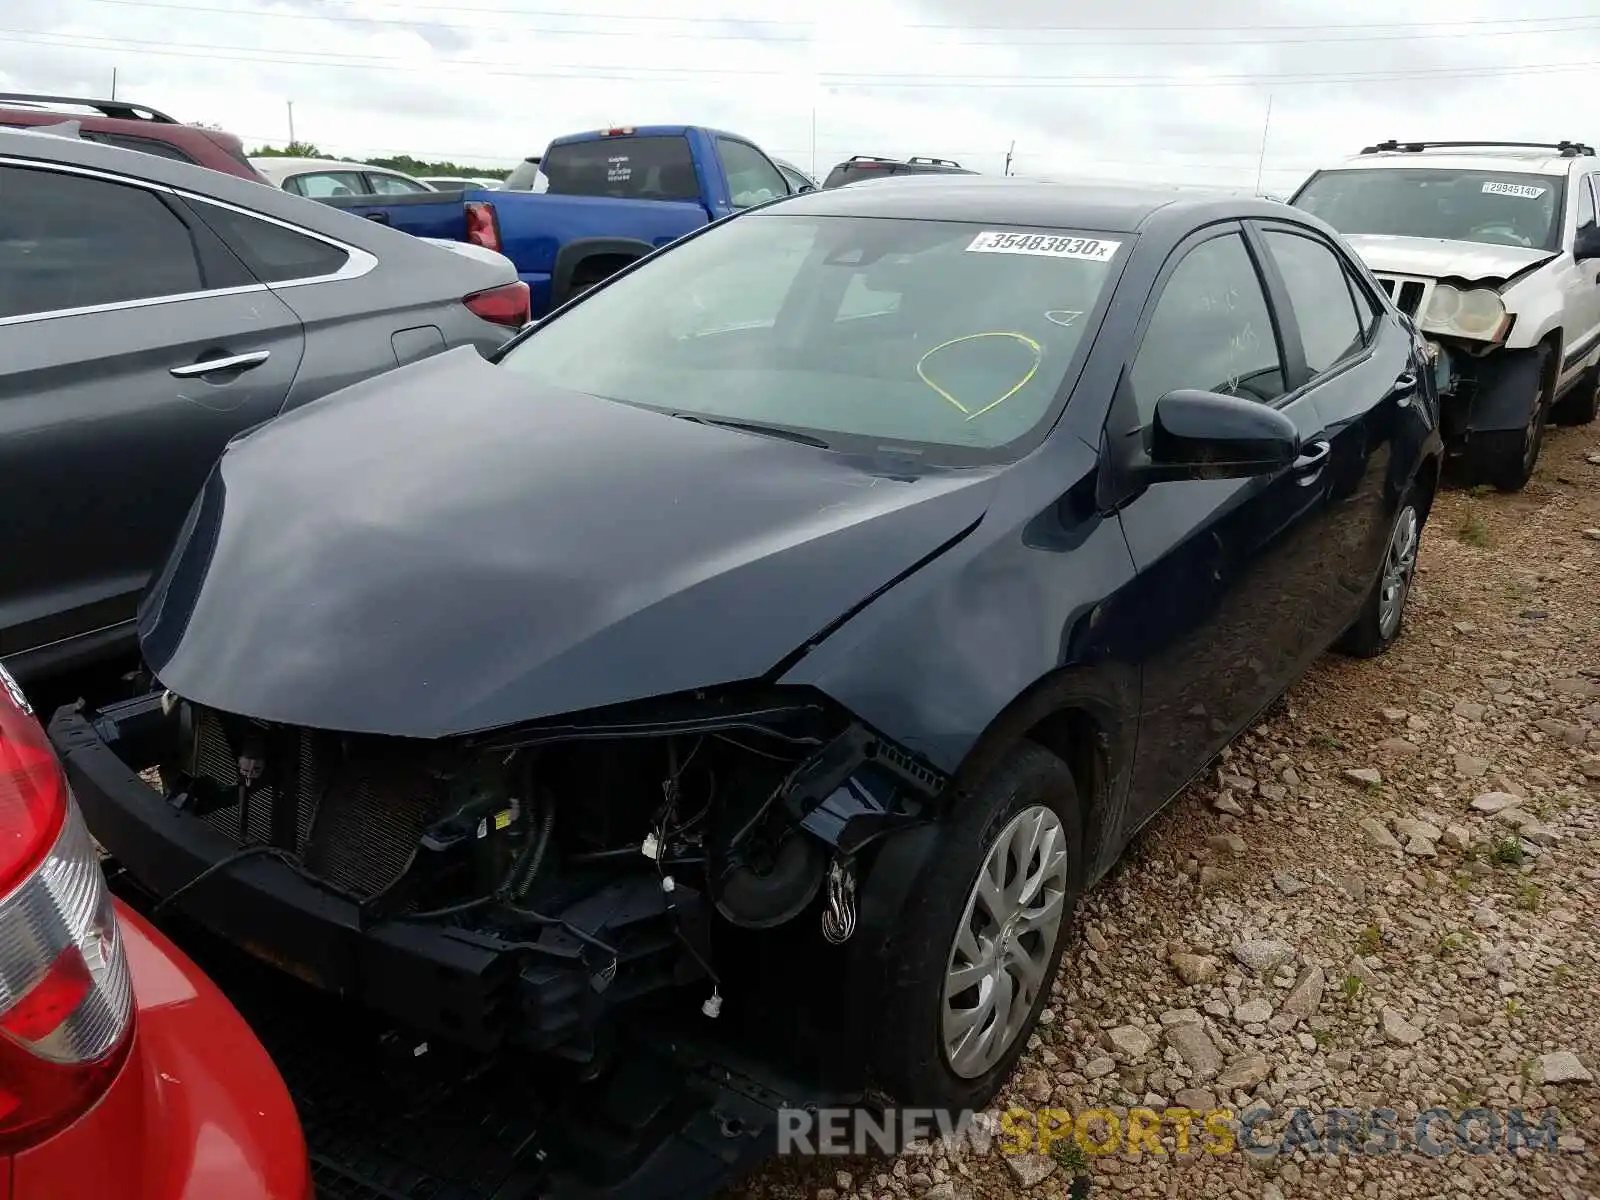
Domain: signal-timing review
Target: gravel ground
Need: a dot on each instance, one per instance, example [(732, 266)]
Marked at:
[(1387, 888)]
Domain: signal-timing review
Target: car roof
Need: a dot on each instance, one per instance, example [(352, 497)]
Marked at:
[(1002, 200), (1530, 160), (257, 195)]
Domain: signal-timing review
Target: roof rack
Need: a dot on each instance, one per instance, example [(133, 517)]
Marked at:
[(120, 109), (869, 158), (1565, 149), (936, 162)]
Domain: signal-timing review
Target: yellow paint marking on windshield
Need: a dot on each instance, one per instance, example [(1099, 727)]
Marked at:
[(1038, 358)]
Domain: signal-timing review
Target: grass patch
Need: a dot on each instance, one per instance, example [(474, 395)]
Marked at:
[(1474, 531), (1507, 852), (1530, 897), (1370, 941), (1513, 1009), (1069, 1156), (1327, 741), (1351, 988), (1563, 972), (1451, 943)]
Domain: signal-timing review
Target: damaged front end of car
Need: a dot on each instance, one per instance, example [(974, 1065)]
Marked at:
[(593, 863)]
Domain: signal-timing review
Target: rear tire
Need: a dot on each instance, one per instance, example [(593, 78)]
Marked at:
[(1384, 610), (1003, 939), (1580, 405)]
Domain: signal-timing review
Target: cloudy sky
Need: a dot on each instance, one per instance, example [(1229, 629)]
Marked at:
[(1145, 89)]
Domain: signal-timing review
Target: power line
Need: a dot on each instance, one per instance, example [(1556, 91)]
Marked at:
[(1572, 25), (740, 19), (836, 79)]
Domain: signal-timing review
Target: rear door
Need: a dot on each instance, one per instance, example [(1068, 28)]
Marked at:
[(1357, 372), (133, 345), (1227, 567), (1583, 297)]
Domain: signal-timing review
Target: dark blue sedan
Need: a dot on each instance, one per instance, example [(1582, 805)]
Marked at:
[(795, 624)]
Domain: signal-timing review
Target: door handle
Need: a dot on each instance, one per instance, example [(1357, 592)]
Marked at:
[(1405, 387), (382, 218), (1312, 459), (214, 366)]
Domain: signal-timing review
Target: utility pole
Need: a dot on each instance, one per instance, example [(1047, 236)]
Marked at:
[(113, 83), (813, 141), (1262, 161), (1009, 153), (291, 122)]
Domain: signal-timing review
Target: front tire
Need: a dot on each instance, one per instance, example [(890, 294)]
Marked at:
[(976, 957), (1383, 612), (1505, 458)]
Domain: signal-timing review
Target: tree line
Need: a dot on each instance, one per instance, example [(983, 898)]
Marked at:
[(403, 163)]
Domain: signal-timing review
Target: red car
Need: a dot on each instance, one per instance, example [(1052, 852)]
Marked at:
[(133, 127), (124, 1072)]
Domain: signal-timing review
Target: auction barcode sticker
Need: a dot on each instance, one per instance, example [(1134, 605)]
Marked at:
[(1049, 245), (1525, 190)]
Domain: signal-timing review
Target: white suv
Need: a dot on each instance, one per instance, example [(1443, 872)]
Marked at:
[(1493, 249)]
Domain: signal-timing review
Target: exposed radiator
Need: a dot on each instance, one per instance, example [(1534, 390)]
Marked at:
[(357, 828)]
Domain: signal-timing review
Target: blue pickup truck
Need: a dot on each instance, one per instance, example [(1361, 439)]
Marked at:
[(613, 196)]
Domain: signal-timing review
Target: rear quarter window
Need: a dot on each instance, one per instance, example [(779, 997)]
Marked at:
[(273, 253), (627, 168)]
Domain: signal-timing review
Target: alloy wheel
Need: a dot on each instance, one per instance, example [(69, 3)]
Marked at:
[(1005, 942), (1399, 565)]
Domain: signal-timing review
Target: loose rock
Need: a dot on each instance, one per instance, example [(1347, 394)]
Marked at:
[(1397, 1029), (1562, 1066), (1263, 954)]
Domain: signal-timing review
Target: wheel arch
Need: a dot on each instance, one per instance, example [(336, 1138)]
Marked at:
[(1088, 718), (573, 256)]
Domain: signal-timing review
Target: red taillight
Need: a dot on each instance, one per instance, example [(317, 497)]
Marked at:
[(33, 796), (509, 304), (483, 225), (66, 1003)]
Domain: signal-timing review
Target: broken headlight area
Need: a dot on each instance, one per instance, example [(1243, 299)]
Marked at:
[(611, 859)]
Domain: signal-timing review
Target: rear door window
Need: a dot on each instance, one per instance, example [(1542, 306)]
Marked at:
[(70, 241), (752, 179), (393, 185), (626, 168), (321, 184)]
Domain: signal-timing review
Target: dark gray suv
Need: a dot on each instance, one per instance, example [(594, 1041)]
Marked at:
[(150, 310)]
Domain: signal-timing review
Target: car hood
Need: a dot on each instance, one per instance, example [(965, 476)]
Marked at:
[(1439, 258), (449, 547)]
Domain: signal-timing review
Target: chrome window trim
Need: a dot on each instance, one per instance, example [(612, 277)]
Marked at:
[(357, 263)]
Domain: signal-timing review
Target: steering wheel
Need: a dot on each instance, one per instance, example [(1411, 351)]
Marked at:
[(1500, 231)]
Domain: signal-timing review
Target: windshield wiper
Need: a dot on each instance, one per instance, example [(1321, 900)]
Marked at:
[(777, 431)]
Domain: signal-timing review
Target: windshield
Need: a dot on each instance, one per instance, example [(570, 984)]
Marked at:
[(937, 333), (1502, 208)]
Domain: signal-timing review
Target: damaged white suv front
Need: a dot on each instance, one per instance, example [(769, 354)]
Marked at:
[(1493, 250)]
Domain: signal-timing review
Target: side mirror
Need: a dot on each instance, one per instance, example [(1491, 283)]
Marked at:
[(803, 189), (1203, 435), (1586, 244)]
